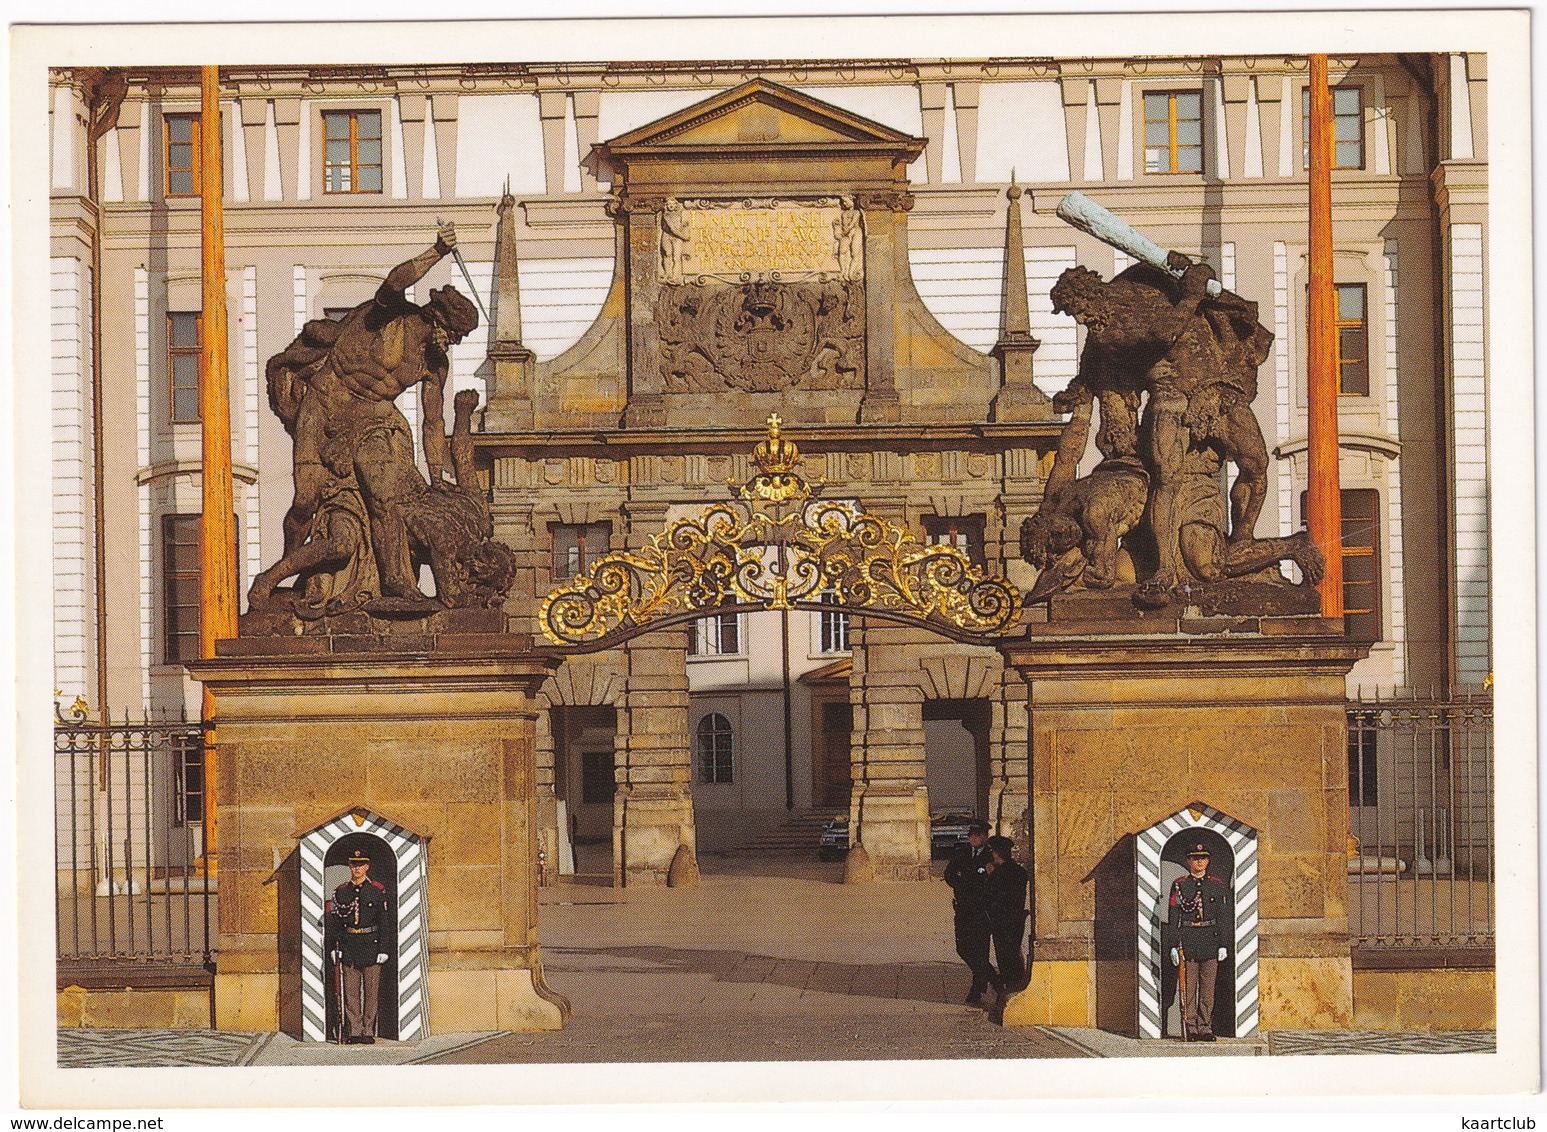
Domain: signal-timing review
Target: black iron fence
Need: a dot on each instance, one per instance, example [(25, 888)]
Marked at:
[(1420, 786), (128, 841), (130, 808)]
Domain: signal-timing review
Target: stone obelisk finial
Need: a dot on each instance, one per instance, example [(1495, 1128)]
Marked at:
[(1018, 399), (510, 398)]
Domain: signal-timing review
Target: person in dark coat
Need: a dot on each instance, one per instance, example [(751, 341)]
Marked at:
[(1200, 924), (1005, 897), (357, 922), (967, 874)]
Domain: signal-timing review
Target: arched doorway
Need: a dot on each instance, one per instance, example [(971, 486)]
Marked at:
[(397, 856), (776, 547), (1161, 858)]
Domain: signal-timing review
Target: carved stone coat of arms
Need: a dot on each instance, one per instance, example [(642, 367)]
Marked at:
[(761, 337)]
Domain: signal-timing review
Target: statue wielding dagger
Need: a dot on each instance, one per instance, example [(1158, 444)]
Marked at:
[(456, 254)]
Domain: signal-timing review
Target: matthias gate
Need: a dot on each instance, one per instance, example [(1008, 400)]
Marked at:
[(762, 274)]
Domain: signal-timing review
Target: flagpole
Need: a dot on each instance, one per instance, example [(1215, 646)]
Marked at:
[(217, 540), (1323, 498)]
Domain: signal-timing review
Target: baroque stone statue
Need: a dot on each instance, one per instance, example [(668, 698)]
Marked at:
[(1170, 361), (363, 519)]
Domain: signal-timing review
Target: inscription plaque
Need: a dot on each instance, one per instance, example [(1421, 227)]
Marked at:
[(761, 241)]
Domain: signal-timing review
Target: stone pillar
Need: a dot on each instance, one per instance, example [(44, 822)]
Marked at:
[(545, 759), (641, 244), (885, 218), (1125, 731), (432, 730), (653, 806), (889, 811), (1009, 788)]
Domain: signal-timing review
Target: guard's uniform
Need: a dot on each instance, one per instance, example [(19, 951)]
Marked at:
[(358, 915), (1005, 896), (967, 874), (1201, 923)]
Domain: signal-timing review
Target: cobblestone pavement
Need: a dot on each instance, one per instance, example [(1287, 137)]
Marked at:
[(762, 961)]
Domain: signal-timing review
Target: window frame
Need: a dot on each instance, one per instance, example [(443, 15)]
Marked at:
[(706, 638), (188, 785), (1305, 127), (171, 579), (352, 168), (1363, 767), (1172, 146), (584, 557), (194, 168), (173, 352), (1362, 325), (1353, 503), (832, 627), (945, 530), (716, 765)]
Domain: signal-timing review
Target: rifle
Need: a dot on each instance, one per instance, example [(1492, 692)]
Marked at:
[(1181, 988)]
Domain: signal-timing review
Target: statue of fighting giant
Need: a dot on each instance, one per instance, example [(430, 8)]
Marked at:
[(363, 519), (1170, 360)]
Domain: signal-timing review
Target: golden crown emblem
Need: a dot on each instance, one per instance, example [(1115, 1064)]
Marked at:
[(776, 454)]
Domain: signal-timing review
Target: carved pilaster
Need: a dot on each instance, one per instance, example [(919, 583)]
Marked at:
[(883, 218), (638, 216)]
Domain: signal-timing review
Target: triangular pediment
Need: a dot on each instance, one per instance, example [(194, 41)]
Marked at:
[(760, 113), (360, 818)]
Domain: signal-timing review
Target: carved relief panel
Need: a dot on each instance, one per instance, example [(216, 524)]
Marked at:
[(761, 295)]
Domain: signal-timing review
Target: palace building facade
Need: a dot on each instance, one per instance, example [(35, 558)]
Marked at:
[(671, 254)]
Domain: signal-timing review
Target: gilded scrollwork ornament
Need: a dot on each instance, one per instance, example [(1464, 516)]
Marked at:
[(777, 545)]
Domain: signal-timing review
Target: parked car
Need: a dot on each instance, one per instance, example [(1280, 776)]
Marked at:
[(834, 842), (946, 832)]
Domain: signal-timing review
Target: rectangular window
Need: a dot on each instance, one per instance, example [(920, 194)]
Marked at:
[(1361, 764), (181, 595), (185, 331), (180, 581), (719, 635), (188, 784), (181, 155), (965, 532), (352, 151), (577, 546), (1361, 563), (1353, 341), (1173, 131), (1347, 127), (835, 627), (596, 778)]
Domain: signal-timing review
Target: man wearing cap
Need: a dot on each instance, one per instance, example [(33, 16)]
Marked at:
[(967, 874), (1004, 894), (358, 917), (1199, 927)]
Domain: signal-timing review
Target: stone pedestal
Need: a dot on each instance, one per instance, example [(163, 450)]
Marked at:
[(435, 731), (1126, 730)]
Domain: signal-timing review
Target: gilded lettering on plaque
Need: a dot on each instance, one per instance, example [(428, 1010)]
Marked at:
[(761, 240)]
